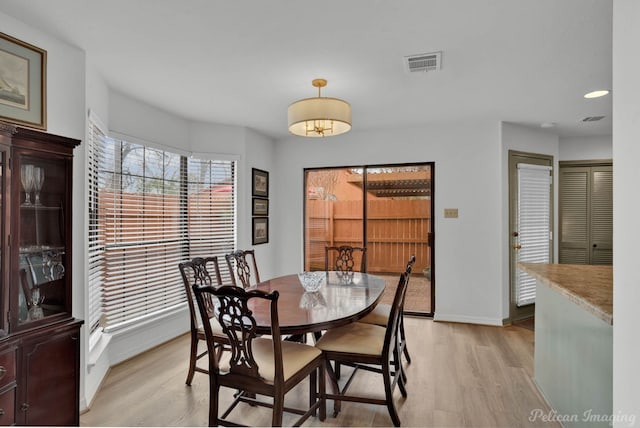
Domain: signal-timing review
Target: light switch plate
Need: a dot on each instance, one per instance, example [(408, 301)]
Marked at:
[(450, 213)]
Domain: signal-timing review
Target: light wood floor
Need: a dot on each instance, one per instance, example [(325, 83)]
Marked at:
[(462, 376), (418, 298)]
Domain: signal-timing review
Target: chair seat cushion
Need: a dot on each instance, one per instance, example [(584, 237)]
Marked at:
[(354, 338), (215, 327), (378, 316), (295, 356)]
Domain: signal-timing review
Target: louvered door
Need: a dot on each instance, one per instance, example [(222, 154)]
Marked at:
[(601, 207), (586, 214), (574, 215)]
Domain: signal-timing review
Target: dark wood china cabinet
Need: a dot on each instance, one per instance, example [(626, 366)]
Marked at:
[(39, 338)]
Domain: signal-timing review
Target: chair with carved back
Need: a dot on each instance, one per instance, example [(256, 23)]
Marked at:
[(372, 348), (242, 265), (343, 258), (380, 315), (198, 272), (256, 365)]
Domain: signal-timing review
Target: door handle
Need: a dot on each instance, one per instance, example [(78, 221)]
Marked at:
[(517, 247)]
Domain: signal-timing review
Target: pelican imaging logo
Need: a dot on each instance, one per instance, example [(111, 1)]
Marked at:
[(588, 416)]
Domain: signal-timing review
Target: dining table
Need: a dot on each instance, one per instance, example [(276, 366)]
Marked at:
[(343, 298)]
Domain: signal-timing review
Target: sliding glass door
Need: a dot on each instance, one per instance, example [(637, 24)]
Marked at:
[(333, 213), (386, 208)]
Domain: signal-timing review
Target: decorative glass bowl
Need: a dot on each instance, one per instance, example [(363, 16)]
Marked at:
[(311, 281), (310, 300)]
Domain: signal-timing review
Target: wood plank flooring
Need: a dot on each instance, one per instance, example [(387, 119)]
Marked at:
[(462, 375), (418, 297)]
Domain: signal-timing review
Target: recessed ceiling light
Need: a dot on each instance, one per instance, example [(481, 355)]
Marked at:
[(547, 125), (596, 94)]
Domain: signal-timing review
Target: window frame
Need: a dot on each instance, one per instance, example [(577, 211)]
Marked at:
[(219, 210)]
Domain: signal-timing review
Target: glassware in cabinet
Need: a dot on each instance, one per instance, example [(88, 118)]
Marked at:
[(42, 252)]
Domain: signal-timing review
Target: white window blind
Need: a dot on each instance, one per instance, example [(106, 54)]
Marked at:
[(534, 225), (95, 276), (156, 209)]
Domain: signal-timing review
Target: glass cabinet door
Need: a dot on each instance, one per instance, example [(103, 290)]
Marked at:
[(42, 253)]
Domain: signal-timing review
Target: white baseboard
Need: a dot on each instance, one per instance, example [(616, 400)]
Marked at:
[(467, 319)]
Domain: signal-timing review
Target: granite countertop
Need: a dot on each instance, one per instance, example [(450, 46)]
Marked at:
[(589, 286)]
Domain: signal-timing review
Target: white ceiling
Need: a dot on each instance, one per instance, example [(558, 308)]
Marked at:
[(243, 62)]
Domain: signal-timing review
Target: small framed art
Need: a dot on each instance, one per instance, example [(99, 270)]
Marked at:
[(260, 230), (260, 207), (23, 83), (259, 183)]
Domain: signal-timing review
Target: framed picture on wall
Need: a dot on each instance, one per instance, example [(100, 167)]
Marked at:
[(260, 230), (259, 183), (260, 207), (23, 83)]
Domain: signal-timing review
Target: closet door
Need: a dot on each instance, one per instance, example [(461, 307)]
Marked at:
[(586, 214), (601, 209), (574, 215)]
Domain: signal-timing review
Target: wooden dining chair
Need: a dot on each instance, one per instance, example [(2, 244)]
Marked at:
[(257, 365), (197, 272), (368, 347), (342, 259), (380, 314), (242, 265)]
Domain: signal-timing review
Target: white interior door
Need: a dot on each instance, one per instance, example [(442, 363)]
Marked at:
[(533, 235)]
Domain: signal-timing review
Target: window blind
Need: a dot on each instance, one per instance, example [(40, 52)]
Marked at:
[(156, 209), (95, 275), (534, 225)]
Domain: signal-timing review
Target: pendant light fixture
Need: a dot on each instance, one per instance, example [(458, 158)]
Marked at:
[(320, 116)]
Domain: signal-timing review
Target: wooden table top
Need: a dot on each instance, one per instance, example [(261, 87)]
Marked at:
[(340, 300)]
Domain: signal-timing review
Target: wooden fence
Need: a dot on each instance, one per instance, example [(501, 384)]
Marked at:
[(396, 229)]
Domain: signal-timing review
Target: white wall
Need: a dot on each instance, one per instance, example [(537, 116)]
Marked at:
[(581, 148), (130, 117), (259, 154), (467, 176), (626, 233)]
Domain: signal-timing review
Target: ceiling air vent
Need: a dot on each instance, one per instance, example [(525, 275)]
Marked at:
[(592, 118), (423, 62)]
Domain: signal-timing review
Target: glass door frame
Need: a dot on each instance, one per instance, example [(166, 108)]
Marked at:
[(431, 234)]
